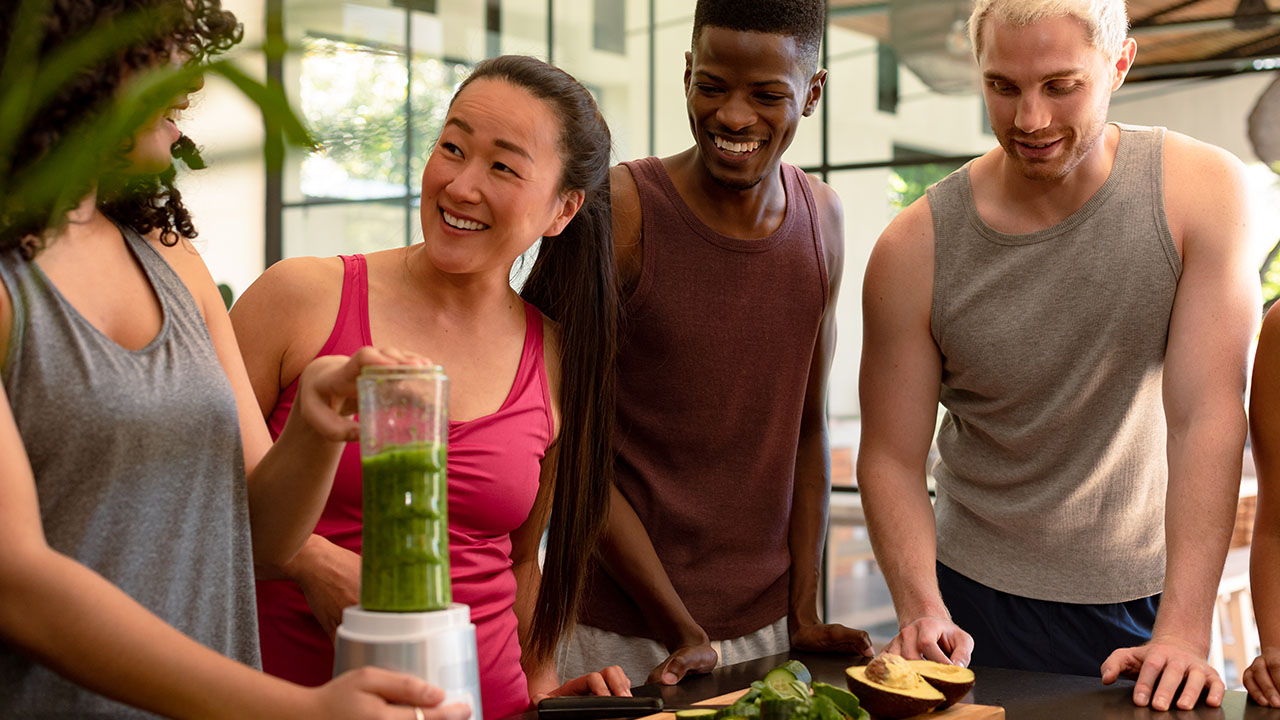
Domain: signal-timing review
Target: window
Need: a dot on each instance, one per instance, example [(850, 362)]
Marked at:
[(887, 79)]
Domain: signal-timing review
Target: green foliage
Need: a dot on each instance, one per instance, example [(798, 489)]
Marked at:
[(1270, 275), (83, 155), (909, 182), (357, 100), (228, 295)]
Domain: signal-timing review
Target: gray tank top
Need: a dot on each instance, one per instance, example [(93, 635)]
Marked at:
[(1052, 471), (138, 468)]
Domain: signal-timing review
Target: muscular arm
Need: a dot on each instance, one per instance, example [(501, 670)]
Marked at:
[(898, 387), (1214, 316), (812, 489), (626, 551), (628, 556), (1263, 676)]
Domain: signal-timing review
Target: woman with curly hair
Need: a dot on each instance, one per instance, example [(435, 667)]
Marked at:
[(138, 484)]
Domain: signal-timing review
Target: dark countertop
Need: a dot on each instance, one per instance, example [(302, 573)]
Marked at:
[(1023, 695)]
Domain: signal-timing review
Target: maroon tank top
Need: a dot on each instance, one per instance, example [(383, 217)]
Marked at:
[(716, 344)]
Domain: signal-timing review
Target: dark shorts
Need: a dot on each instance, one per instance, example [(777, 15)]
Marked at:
[(1010, 631)]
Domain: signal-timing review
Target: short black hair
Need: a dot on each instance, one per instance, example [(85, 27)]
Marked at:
[(803, 20)]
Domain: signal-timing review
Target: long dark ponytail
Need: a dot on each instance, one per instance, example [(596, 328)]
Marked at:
[(572, 282)]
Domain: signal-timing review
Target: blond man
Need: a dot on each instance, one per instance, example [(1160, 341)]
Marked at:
[(1085, 318)]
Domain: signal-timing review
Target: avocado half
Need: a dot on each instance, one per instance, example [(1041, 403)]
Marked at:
[(953, 681), (892, 702)]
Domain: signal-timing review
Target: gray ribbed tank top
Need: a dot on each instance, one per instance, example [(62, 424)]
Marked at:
[(1052, 471), (138, 468)]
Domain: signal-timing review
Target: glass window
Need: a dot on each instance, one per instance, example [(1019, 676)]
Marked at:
[(609, 29), (353, 96), (345, 228)]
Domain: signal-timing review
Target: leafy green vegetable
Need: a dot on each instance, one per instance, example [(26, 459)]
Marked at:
[(785, 694)]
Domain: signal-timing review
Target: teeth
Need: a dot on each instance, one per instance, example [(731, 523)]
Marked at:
[(454, 221), (734, 147)]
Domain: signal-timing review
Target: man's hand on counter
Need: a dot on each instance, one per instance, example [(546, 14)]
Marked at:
[(1262, 678), (695, 657), (933, 637), (832, 638), (1159, 667)]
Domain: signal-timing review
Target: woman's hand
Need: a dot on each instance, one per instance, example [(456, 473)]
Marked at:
[(290, 484), (329, 577), (375, 693), (326, 397), (609, 681)]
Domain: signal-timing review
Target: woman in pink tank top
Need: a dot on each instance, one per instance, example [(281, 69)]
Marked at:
[(523, 155)]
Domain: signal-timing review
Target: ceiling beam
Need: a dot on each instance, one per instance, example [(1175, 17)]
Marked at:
[(1203, 68), (1147, 20), (1263, 47), (1221, 22)]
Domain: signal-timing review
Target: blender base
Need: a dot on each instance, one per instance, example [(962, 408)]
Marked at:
[(438, 646)]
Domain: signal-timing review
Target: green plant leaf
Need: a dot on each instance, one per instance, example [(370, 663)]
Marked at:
[(59, 179), (272, 102), (28, 85)]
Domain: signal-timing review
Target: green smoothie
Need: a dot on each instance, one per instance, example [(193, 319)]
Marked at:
[(405, 557)]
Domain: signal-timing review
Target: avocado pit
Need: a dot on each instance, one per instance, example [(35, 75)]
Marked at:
[(888, 687)]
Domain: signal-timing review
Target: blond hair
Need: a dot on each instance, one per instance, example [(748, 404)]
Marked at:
[(1105, 21)]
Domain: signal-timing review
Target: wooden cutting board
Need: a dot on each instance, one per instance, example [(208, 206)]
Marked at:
[(961, 711)]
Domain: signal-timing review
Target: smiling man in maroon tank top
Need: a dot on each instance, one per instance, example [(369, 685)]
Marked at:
[(729, 263), (1081, 301)]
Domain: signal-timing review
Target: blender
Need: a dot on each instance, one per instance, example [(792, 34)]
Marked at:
[(406, 619)]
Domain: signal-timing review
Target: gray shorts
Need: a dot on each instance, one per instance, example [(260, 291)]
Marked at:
[(588, 649)]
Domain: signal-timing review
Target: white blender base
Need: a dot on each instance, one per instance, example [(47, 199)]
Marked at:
[(438, 646)]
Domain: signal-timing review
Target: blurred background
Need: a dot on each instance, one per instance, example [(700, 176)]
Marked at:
[(901, 109)]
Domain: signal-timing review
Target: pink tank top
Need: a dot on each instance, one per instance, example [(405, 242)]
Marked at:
[(493, 479)]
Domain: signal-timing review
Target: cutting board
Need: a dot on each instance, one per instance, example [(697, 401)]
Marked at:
[(961, 711)]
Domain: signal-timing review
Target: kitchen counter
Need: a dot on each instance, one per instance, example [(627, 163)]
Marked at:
[(1024, 695)]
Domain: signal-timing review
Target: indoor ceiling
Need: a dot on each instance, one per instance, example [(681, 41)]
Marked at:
[(1176, 38)]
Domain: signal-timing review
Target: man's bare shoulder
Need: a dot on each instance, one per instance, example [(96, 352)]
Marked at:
[(910, 234), (831, 220), (1187, 160), (826, 198), (627, 218), (625, 197), (1205, 189)]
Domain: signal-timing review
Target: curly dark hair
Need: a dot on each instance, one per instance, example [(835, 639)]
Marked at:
[(193, 30), (803, 20)]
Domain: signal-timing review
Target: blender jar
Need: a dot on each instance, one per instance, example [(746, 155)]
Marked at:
[(404, 433)]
